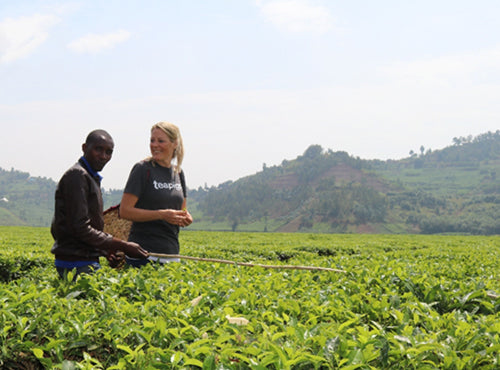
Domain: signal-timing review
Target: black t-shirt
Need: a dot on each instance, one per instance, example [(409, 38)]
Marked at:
[(156, 187)]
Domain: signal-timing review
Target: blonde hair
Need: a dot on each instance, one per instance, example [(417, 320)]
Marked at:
[(174, 134)]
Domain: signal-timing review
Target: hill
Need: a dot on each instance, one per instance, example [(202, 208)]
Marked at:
[(29, 201), (453, 190), (25, 200)]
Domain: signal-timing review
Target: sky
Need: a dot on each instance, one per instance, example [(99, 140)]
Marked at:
[(248, 82)]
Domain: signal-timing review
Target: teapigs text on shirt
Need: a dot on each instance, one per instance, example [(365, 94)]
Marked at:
[(166, 185)]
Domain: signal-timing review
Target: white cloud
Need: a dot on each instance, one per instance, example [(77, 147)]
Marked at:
[(19, 37), (296, 15), (94, 43)]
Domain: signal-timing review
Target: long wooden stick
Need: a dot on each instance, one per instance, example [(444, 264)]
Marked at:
[(291, 267)]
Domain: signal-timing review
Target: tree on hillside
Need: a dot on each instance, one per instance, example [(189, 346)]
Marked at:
[(314, 151)]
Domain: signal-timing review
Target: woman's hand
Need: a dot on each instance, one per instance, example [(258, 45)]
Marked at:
[(180, 218), (188, 219)]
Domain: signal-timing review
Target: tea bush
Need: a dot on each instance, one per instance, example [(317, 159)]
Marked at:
[(404, 302)]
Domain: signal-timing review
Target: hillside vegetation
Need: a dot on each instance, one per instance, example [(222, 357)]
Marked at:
[(452, 190), (29, 201), (25, 200)]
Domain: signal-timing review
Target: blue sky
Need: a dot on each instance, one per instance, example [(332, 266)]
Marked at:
[(248, 81)]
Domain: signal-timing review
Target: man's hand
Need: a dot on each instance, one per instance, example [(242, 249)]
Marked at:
[(116, 261), (130, 249), (134, 250)]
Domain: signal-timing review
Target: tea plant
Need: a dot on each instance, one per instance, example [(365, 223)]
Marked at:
[(405, 302)]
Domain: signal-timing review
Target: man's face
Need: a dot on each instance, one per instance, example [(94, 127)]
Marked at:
[(98, 153)]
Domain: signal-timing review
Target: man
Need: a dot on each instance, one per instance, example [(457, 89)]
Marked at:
[(77, 226)]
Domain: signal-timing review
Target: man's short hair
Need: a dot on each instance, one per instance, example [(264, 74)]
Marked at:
[(97, 135)]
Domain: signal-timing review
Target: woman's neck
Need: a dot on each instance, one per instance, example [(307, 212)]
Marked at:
[(164, 163)]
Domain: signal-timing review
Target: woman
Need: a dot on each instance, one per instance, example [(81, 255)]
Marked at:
[(155, 196)]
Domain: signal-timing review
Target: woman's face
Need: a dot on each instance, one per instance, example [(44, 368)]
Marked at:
[(162, 149)]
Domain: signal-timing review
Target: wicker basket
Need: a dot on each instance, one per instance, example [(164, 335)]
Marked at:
[(114, 225)]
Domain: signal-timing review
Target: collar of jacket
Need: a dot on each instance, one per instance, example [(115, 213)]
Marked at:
[(87, 166)]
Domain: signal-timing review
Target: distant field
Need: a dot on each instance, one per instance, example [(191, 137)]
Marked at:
[(439, 181), (393, 302)]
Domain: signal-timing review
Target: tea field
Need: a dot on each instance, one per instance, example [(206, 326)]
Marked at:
[(392, 302)]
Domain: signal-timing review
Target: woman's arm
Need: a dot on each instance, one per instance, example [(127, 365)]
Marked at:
[(129, 211)]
